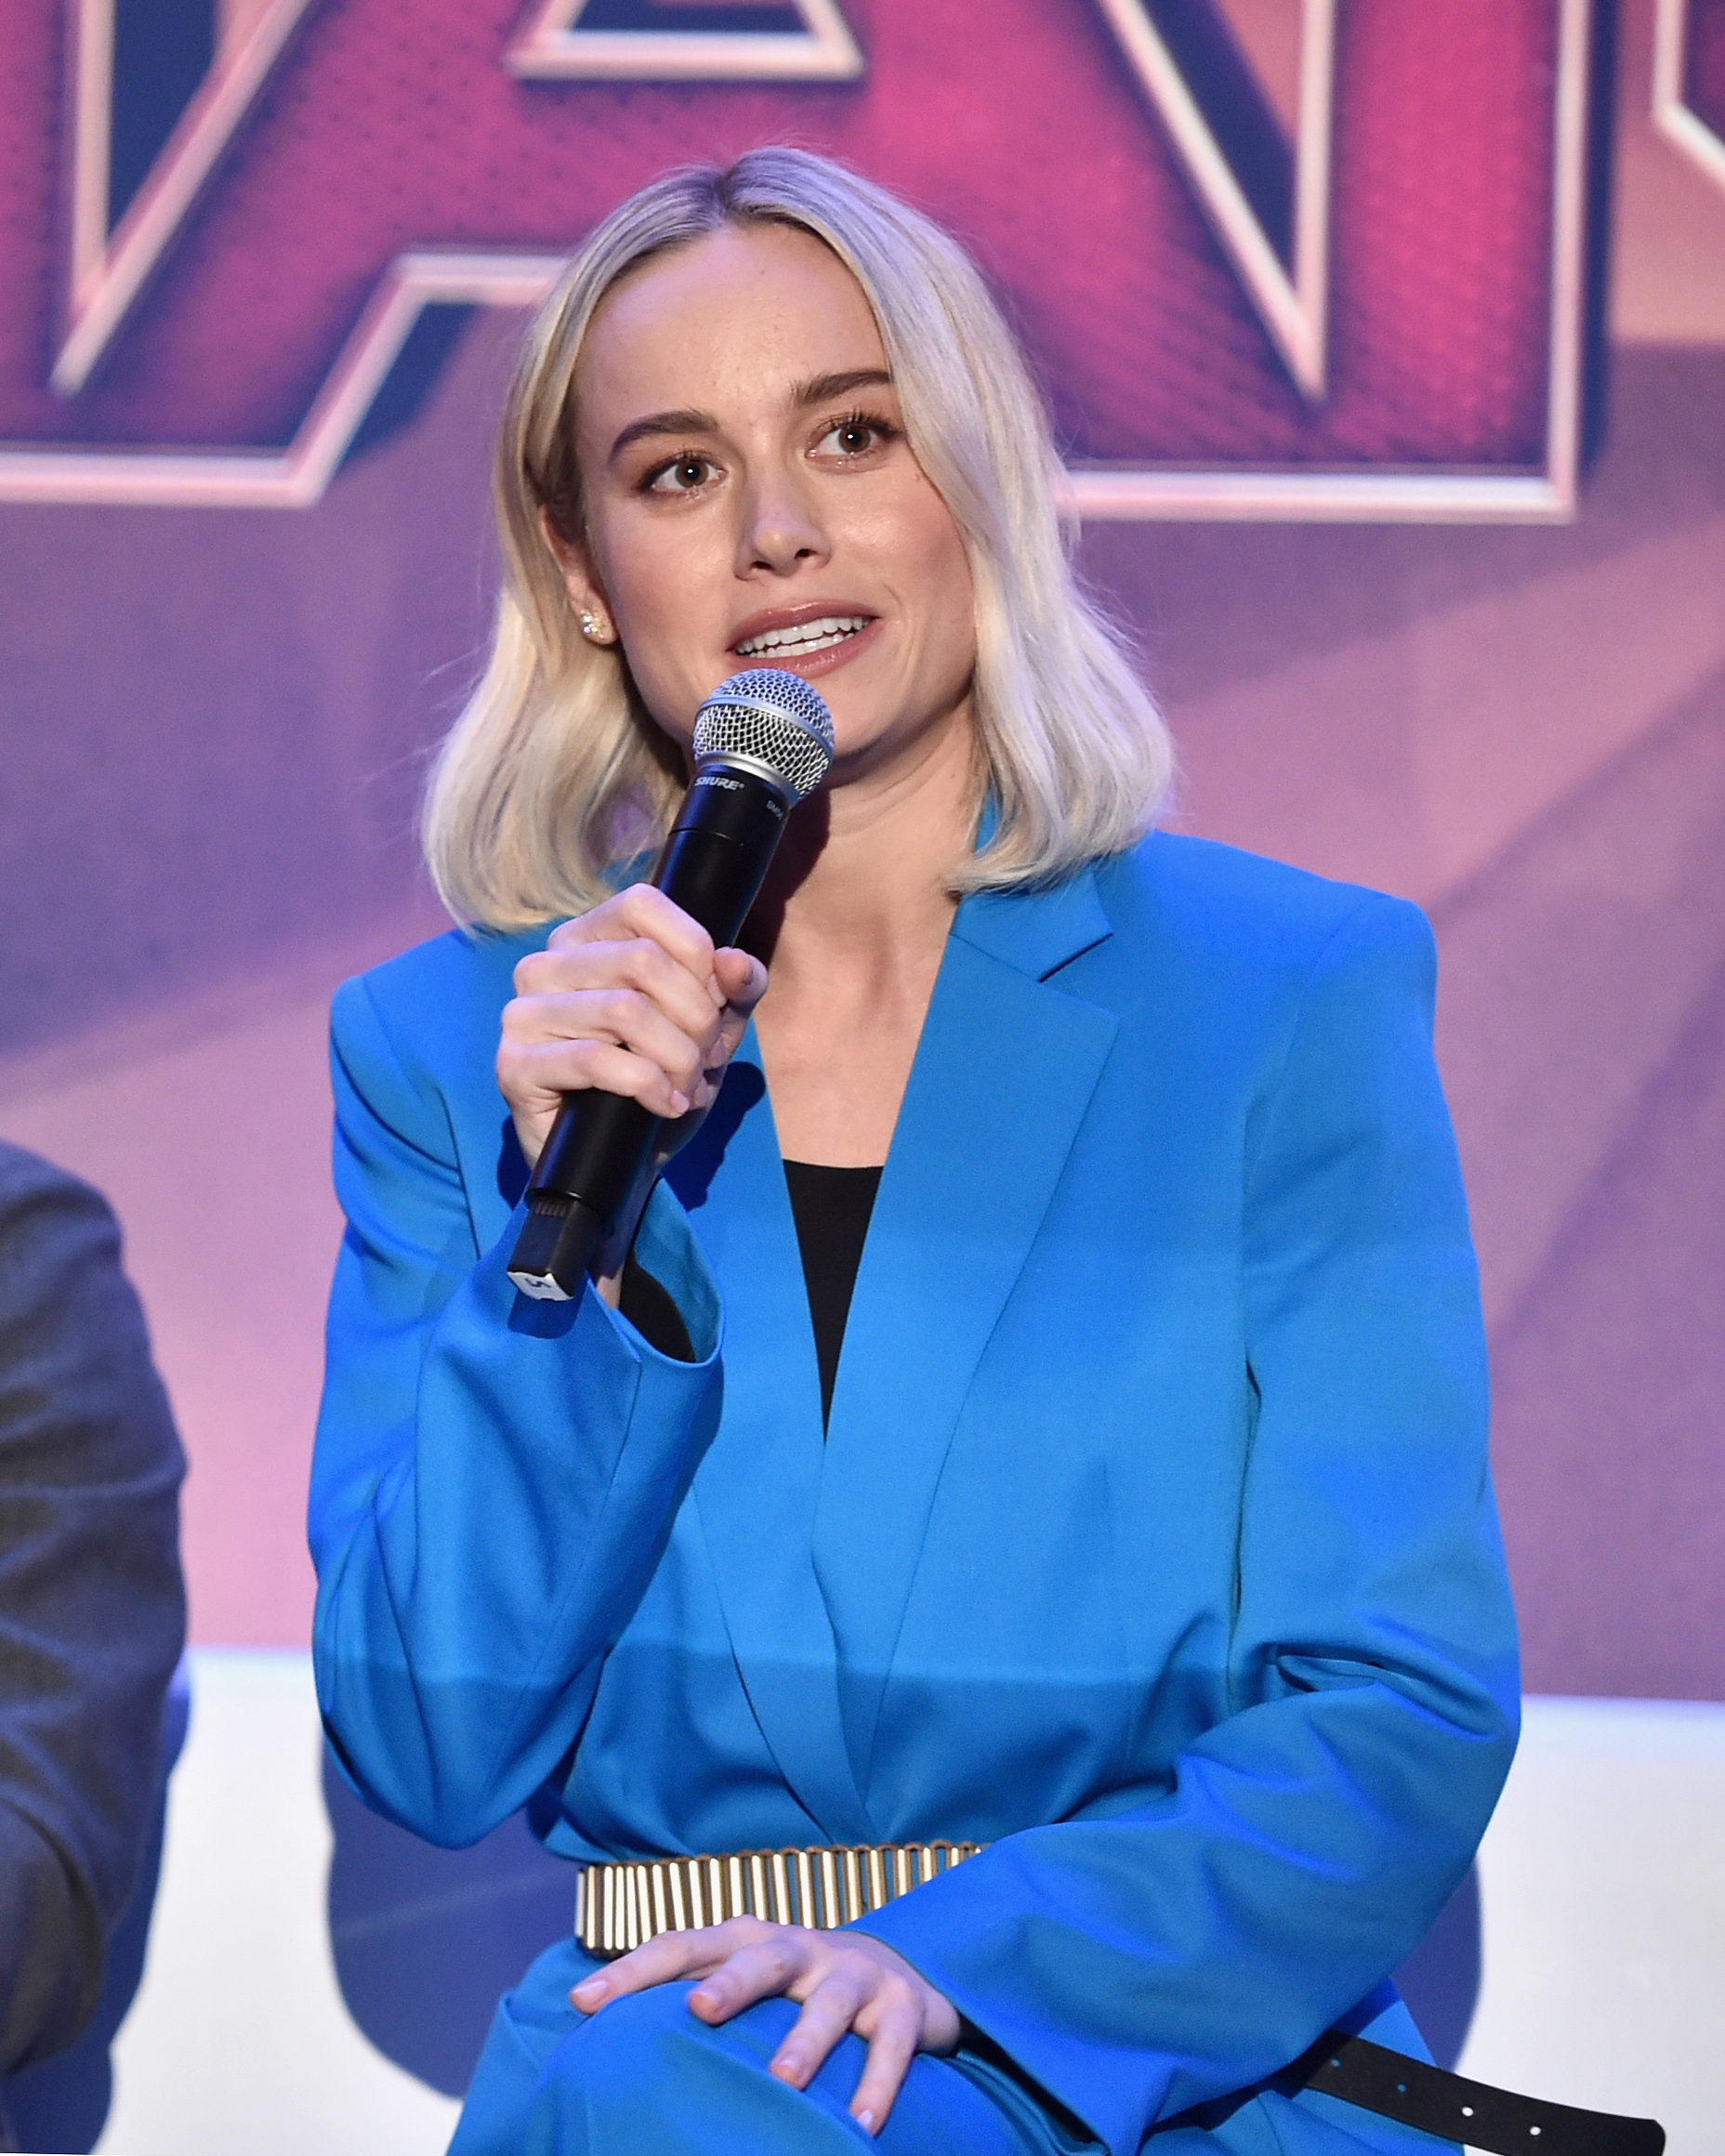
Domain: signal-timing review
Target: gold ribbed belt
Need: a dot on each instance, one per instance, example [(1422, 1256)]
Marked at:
[(619, 1905)]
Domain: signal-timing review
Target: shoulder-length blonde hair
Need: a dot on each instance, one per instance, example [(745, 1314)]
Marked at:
[(555, 771)]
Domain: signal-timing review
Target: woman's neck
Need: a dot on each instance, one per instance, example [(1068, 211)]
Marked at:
[(852, 926), (867, 866)]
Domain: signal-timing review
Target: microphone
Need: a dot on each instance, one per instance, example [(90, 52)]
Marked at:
[(763, 740)]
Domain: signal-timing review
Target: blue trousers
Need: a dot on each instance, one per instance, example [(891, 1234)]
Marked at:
[(643, 2077)]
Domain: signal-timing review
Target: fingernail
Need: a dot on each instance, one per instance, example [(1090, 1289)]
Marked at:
[(680, 1102), (588, 1992), (866, 2121), (715, 991)]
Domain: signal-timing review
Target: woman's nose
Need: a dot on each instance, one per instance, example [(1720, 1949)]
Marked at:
[(780, 529)]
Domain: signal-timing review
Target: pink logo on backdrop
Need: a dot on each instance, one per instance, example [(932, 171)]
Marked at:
[(1298, 257), (1688, 80)]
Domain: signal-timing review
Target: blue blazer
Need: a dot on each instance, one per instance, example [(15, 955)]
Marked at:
[(1152, 1540)]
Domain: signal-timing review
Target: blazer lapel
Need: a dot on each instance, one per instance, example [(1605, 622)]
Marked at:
[(756, 1490), (1004, 1072)]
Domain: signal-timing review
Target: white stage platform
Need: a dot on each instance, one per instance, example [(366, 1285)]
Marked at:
[(1603, 1935)]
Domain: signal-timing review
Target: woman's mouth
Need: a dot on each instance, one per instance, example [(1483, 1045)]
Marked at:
[(803, 641)]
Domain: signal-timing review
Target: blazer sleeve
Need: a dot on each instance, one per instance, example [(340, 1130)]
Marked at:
[(92, 1610), (1140, 1964), (493, 1478)]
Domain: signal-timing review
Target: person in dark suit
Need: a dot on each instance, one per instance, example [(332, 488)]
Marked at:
[(998, 1591), (92, 1605)]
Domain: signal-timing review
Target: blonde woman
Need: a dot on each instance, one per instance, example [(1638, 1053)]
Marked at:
[(1042, 1405)]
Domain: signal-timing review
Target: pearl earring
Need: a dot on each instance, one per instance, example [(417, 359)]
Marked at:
[(589, 626)]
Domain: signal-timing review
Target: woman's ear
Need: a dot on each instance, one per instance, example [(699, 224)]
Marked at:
[(588, 601)]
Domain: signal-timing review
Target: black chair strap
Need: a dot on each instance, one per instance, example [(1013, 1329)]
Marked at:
[(1454, 2109)]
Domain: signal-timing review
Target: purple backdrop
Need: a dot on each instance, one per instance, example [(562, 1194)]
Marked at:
[(215, 721)]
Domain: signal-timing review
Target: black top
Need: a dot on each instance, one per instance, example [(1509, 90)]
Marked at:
[(649, 1309), (832, 1208)]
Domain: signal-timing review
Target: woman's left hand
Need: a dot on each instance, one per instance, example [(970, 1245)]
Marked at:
[(843, 1979)]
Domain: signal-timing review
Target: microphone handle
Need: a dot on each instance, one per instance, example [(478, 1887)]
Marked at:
[(712, 865)]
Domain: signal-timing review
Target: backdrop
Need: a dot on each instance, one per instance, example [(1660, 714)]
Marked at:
[(1388, 348)]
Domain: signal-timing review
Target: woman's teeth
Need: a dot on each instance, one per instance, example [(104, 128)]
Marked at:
[(807, 637)]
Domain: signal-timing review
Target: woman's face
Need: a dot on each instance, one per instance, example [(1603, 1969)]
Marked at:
[(751, 500)]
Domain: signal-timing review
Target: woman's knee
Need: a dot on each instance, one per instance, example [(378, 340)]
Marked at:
[(643, 2071), (643, 2040)]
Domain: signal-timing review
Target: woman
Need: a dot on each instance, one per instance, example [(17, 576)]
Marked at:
[(1148, 1540)]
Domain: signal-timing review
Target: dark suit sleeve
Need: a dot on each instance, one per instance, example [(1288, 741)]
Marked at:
[(92, 1610)]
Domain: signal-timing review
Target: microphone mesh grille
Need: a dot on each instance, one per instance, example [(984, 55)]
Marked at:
[(771, 717)]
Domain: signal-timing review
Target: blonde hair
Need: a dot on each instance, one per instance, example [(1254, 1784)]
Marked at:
[(555, 771)]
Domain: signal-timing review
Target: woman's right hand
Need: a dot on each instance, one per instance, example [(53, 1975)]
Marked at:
[(631, 998)]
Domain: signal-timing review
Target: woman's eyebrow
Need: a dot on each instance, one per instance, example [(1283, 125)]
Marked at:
[(664, 422), (818, 389)]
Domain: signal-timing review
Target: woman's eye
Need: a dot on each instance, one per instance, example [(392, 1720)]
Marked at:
[(683, 477), (853, 437)]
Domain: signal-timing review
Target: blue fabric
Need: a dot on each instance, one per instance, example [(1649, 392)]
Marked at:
[(1152, 1540), (645, 2074)]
